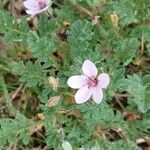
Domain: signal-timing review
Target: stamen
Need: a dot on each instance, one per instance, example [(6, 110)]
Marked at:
[(92, 82)]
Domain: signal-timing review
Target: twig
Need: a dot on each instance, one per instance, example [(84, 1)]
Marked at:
[(109, 134), (81, 9), (122, 135), (147, 140), (142, 45), (143, 140), (120, 104), (118, 101), (7, 98), (16, 92), (122, 95)]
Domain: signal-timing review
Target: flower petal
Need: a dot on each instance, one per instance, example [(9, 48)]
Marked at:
[(97, 95), (103, 80), (82, 95), (48, 2), (76, 81), (34, 12), (89, 69), (44, 9), (29, 4)]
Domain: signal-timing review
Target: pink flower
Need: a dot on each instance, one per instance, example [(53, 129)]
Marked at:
[(89, 84), (36, 6)]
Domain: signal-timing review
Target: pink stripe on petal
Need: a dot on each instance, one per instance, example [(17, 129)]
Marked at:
[(45, 8), (76, 81), (82, 95), (103, 80), (97, 95), (89, 69)]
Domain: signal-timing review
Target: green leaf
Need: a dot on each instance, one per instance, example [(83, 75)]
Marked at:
[(117, 77), (101, 115), (141, 31), (69, 17), (79, 35), (126, 50), (13, 31), (47, 26), (139, 91), (93, 3), (12, 130), (125, 9), (42, 48), (31, 74), (143, 124), (117, 145), (45, 93), (81, 31)]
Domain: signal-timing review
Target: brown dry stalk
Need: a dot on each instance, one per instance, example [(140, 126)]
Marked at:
[(81, 9), (17, 91)]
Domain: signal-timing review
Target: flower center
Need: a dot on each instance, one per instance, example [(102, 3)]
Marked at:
[(41, 4), (92, 82)]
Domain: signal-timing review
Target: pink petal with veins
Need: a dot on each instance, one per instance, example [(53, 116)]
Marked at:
[(89, 84), (34, 12), (89, 69), (33, 8), (103, 80), (29, 4), (76, 81), (97, 95), (82, 95)]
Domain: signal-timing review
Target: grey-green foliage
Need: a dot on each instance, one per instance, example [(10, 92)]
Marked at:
[(30, 73), (13, 130), (42, 47), (69, 17), (45, 93), (47, 26), (80, 35), (143, 124), (95, 3), (125, 9), (126, 49), (139, 90), (117, 76), (129, 11), (102, 115), (13, 30), (141, 31), (117, 145), (103, 44)]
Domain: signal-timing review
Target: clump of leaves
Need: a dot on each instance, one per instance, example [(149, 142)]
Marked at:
[(118, 44)]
